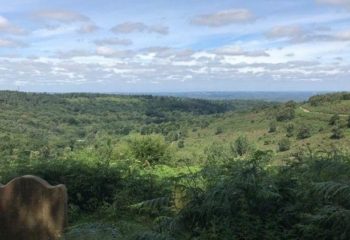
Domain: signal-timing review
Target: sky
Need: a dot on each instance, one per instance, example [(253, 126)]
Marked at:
[(174, 46)]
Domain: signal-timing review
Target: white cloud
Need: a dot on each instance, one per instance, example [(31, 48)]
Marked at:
[(163, 30), (113, 41), (72, 54), (345, 3), (49, 31), (63, 16), (105, 51), (238, 51), (7, 43), (224, 18), (7, 27), (105, 67), (110, 52), (291, 31), (296, 34), (130, 27), (63, 21), (343, 35), (88, 28)]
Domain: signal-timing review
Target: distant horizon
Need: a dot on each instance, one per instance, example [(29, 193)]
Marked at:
[(185, 91), (272, 96)]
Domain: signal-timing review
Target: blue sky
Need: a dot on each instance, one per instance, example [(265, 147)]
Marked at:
[(183, 45)]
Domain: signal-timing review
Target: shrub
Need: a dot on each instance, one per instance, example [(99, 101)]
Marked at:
[(334, 119), (241, 145), (303, 132), (284, 145), (285, 113), (290, 130), (219, 130), (150, 149), (337, 132), (181, 144), (173, 136), (272, 127)]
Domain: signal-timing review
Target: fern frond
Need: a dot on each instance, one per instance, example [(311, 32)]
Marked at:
[(330, 221), (332, 191)]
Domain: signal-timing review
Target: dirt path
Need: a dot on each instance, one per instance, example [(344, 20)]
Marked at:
[(304, 109)]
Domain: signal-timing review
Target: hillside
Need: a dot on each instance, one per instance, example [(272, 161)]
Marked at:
[(256, 126), (152, 167), (33, 122), (37, 122)]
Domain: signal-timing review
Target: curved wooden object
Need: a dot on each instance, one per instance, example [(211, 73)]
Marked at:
[(32, 209)]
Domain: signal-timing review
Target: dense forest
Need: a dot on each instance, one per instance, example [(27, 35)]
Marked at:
[(157, 167)]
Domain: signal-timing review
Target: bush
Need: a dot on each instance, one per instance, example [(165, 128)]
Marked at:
[(173, 136), (284, 145), (290, 130), (149, 149), (272, 127), (241, 145), (337, 132), (285, 113), (303, 132), (181, 144), (219, 130), (334, 119)]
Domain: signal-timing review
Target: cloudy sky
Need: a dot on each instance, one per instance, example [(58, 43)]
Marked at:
[(182, 45)]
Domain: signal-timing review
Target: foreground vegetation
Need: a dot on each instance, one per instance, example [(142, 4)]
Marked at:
[(143, 167)]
